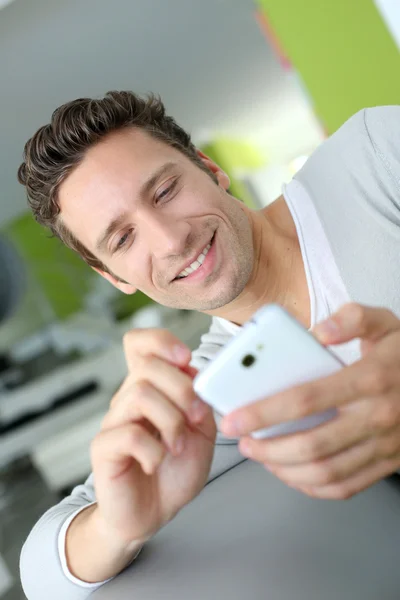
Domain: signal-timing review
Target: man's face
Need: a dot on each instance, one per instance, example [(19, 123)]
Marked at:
[(148, 212)]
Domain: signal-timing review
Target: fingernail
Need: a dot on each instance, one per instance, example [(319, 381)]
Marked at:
[(179, 444), (197, 410), (180, 353)]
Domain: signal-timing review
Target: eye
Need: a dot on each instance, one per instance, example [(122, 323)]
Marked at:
[(122, 240), (166, 192)]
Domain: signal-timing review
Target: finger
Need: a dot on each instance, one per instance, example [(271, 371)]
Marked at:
[(113, 450), (145, 401), (174, 384), (344, 431), (191, 371), (330, 470), (362, 379), (357, 483), (156, 342), (356, 321)]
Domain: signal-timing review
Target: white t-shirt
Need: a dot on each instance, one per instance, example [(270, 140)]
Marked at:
[(325, 286)]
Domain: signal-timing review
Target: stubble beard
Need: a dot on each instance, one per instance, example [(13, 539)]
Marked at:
[(239, 253)]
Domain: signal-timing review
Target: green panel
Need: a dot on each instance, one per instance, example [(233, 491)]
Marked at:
[(343, 51), (63, 277), (231, 154)]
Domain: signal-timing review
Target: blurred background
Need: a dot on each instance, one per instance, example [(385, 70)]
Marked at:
[(258, 83)]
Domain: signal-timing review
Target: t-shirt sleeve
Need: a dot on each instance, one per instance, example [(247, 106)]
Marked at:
[(383, 126), (352, 179), (43, 568)]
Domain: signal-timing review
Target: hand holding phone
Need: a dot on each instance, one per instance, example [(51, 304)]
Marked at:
[(272, 352)]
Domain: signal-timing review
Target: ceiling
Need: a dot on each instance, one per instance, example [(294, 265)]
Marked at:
[(207, 59)]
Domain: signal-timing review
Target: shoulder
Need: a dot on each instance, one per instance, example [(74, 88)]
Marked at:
[(383, 127)]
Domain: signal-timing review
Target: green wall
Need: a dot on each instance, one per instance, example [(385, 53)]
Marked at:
[(232, 154), (343, 51), (62, 277)]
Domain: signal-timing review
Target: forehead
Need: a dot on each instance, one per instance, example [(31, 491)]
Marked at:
[(110, 175), (122, 159)]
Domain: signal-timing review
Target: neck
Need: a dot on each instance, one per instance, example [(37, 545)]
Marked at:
[(278, 273)]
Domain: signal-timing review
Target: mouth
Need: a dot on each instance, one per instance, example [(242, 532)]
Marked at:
[(198, 266)]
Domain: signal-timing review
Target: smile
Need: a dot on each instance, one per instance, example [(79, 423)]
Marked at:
[(196, 264)]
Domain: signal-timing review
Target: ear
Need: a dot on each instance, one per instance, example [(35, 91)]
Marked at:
[(223, 179), (126, 288)]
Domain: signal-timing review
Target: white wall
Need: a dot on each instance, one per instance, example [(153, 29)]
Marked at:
[(207, 58)]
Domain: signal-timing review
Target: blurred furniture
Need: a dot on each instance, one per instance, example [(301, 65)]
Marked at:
[(249, 536), (52, 402), (24, 497), (59, 442), (12, 279)]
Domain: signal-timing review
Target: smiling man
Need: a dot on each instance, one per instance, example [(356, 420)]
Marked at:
[(121, 183), (149, 213)]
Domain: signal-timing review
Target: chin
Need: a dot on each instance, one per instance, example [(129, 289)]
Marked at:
[(225, 296)]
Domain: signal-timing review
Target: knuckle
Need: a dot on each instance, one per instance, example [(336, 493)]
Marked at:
[(128, 338), (340, 492), (358, 315), (135, 434), (305, 402), (105, 421), (186, 392), (388, 313), (309, 447), (324, 474), (344, 493), (376, 380), (118, 394), (141, 390), (146, 363), (159, 337), (164, 335), (175, 424), (162, 338), (147, 368), (96, 445), (390, 447), (114, 401), (383, 416)]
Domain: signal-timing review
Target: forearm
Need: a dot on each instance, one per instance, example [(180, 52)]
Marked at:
[(93, 554)]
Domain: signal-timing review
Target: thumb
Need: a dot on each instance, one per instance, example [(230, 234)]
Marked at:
[(356, 321)]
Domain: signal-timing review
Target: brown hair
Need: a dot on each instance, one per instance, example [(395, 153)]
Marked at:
[(58, 148)]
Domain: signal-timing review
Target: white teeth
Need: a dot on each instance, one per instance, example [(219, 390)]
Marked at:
[(195, 264)]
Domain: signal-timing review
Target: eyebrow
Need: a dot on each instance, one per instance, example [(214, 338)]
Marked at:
[(145, 189)]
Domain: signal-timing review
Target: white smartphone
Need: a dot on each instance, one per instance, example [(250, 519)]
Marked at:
[(271, 353)]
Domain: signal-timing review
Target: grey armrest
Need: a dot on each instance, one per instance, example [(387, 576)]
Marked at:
[(249, 537)]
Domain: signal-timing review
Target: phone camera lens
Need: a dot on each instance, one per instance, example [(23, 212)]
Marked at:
[(248, 360)]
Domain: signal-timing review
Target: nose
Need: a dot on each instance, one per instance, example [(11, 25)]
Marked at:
[(165, 236)]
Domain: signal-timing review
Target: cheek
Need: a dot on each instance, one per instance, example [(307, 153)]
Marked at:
[(133, 266)]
